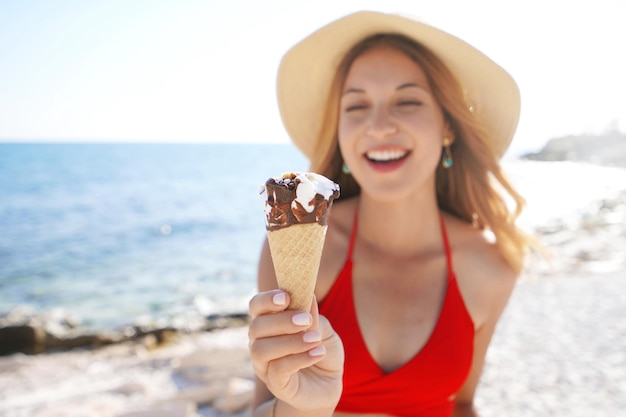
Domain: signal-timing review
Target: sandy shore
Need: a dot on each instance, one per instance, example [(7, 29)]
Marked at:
[(129, 379), (560, 350)]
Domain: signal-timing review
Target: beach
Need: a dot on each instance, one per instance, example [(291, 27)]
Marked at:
[(559, 350)]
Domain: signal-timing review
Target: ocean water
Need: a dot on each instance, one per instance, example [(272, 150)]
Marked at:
[(115, 234)]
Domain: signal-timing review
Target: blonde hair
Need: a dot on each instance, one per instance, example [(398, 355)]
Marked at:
[(472, 189)]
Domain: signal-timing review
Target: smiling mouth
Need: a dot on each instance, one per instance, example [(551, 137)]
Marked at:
[(386, 156)]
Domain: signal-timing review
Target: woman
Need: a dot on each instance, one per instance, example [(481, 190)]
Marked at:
[(411, 122)]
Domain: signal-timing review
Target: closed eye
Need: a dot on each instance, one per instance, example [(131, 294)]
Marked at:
[(355, 107), (410, 103)]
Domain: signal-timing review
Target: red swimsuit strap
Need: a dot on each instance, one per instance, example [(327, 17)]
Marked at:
[(352, 236)]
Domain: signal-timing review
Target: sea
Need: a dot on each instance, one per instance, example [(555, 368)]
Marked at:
[(120, 234)]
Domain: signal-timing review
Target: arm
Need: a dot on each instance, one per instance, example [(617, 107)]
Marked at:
[(493, 292), (298, 362), (464, 410)]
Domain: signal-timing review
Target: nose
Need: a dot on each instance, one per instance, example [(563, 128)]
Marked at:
[(380, 125)]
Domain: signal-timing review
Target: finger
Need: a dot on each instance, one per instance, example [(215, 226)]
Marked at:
[(281, 323), (280, 370), (263, 351), (268, 302), (334, 357)]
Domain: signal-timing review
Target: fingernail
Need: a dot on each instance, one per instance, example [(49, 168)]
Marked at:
[(301, 319), (318, 351), (279, 299), (312, 336)]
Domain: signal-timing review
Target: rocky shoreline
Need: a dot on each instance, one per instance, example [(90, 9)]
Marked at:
[(23, 331), (606, 149), (207, 372)]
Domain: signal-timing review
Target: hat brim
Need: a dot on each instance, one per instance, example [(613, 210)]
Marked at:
[(307, 70)]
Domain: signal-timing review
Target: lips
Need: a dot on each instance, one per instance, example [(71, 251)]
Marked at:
[(386, 155), (386, 160)]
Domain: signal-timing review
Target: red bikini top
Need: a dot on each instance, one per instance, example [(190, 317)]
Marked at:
[(423, 387)]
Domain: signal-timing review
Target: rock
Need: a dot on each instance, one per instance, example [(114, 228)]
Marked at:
[(207, 365), (606, 149), (22, 338), (130, 388), (237, 397), (74, 410), (220, 321), (202, 394), (26, 331), (166, 409), (69, 341)]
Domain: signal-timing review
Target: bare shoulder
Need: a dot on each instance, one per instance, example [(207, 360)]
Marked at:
[(485, 278)]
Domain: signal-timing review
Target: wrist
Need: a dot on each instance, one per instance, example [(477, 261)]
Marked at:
[(282, 409)]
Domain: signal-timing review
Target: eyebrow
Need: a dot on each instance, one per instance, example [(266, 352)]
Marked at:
[(410, 85), (353, 90), (400, 87)]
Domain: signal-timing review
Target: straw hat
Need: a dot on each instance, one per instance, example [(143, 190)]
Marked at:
[(307, 69)]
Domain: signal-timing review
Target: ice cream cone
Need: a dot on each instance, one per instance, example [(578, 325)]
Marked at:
[(296, 252), (297, 206)]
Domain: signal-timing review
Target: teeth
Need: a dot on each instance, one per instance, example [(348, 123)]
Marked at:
[(386, 155)]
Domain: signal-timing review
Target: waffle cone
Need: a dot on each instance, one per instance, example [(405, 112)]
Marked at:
[(296, 252)]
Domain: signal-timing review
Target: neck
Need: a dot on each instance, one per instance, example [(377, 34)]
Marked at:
[(401, 229)]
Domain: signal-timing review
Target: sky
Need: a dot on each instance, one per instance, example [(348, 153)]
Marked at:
[(204, 71)]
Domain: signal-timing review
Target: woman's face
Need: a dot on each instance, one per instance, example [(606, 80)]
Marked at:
[(391, 128)]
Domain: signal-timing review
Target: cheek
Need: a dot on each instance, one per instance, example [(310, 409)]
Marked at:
[(345, 135), (344, 128)]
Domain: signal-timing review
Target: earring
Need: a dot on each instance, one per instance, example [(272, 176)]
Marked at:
[(475, 220), (345, 169), (447, 161)]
